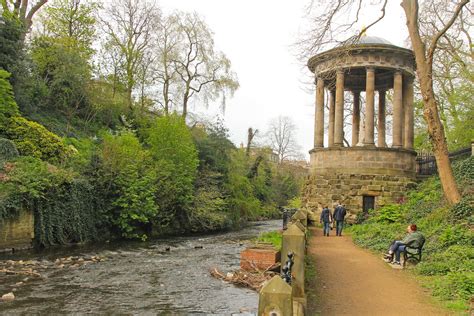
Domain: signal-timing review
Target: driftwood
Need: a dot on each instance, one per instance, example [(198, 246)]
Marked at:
[(251, 279), (28, 272)]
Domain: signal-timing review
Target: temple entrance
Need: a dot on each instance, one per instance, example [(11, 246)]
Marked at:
[(368, 203)]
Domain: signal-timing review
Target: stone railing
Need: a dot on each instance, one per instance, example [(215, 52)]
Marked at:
[(287, 298)]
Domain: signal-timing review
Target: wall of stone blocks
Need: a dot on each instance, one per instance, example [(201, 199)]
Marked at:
[(345, 175), (17, 232)]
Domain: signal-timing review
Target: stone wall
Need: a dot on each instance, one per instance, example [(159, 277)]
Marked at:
[(345, 175), (17, 232)]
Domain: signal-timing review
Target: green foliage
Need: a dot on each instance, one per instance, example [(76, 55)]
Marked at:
[(33, 139), (241, 200), (173, 149), (463, 211), (127, 171), (63, 205), (295, 202), (390, 213), (209, 206), (8, 107), (455, 286), (275, 238), (10, 45), (8, 150)]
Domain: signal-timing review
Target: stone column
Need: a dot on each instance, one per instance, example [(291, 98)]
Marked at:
[(319, 116), (408, 112), (381, 120), (397, 110), (369, 107), (355, 118), (332, 101), (339, 110)]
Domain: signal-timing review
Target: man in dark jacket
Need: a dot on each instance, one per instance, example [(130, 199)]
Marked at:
[(414, 238), (326, 219), (339, 214)]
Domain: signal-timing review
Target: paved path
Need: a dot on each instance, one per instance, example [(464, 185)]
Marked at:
[(353, 281)]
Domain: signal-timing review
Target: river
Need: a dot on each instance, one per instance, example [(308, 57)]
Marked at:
[(158, 277)]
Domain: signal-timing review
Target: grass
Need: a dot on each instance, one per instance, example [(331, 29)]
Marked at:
[(274, 237)]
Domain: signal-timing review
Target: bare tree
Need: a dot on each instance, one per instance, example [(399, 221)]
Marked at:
[(281, 136), (191, 67), (327, 29), (130, 26)]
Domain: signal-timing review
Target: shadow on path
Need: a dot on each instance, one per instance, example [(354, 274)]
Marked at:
[(353, 281)]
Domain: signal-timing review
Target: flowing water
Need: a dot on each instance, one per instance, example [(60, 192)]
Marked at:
[(159, 277)]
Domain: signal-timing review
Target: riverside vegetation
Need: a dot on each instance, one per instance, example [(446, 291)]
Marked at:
[(85, 147), (447, 266)]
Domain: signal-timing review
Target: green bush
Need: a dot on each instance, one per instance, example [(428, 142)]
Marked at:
[(33, 139), (129, 179), (8, 150), (172, 147), (8, 106), (455, 286), (389, 213)]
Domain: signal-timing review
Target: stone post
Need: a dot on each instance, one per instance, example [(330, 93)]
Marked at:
[(381, 120), (319, 117), (301, 216), (397, 110), (408, 140), (294, 241), (369, 107), (332, 101), (355, 118), (275, 298), (339, 111)]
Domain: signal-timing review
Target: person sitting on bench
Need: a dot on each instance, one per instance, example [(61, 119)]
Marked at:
[(413, 237)]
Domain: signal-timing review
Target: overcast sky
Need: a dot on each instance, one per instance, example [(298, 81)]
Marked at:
[(257, 36)]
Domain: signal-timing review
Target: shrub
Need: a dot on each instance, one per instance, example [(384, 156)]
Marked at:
[(33, 139), (389, 213), (8, 106), (130, 181), (8, 150), (172, 147), (455, 286)]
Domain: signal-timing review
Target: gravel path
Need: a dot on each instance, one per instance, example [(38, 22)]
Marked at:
[(353, 281)]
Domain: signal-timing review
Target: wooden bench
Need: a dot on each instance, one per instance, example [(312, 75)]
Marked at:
[(412, 252)]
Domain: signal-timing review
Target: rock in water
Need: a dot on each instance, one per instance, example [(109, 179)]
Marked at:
[(8, 297)]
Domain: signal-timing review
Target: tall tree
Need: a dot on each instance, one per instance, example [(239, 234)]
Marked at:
[(327, 28), (130, 26), (189, 65), (23, 10), (281, 136)]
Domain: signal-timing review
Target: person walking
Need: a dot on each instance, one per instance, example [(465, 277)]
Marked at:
[(339, 214), (326, 220)]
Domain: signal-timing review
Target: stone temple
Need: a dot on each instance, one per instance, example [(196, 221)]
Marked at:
[(362, 172)]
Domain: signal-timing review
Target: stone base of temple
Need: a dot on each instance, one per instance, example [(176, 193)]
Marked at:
[(350, 175)]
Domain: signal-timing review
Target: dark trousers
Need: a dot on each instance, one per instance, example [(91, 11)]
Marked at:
[(397, 247), (339, 227)]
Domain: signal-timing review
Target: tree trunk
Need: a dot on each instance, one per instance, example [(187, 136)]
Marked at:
[(430, 107)]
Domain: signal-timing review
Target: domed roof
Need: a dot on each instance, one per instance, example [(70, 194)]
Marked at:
[(373, 40)]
